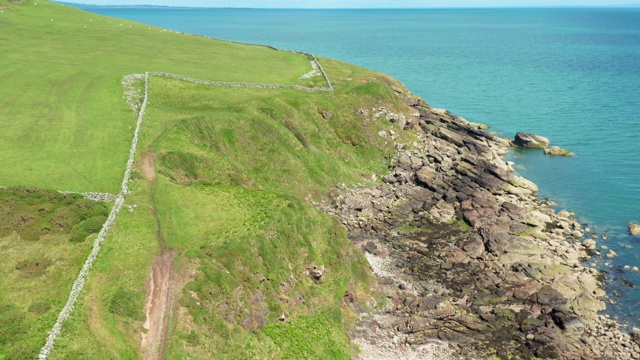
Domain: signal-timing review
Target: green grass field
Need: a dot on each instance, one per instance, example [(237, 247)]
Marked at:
[(233, 167), (65, 123)]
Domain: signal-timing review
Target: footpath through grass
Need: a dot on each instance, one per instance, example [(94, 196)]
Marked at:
[(65, 124)]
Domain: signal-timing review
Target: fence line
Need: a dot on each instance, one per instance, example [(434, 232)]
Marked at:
[(80, 281)]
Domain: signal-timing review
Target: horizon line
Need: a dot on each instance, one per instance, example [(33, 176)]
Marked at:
[(356, 8)]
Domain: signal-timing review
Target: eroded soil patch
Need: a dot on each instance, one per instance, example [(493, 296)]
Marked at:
[(158, 308), (147, 169)]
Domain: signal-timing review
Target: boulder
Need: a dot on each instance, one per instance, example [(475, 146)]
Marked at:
[(548, 296), (315, 272), (416, 162), (567, 320), (521, 182), (327, 114), (443, 213), (589, 244), (404, 162), (426, 175), (564, 214), (635, 335), (576, 234), (370, 247), (474, 246), (538, 219), (557, 151), (495, 239), (531, 141), (634, 229)]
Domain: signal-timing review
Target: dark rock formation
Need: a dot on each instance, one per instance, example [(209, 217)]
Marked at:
[(531, 141), (472, 257)]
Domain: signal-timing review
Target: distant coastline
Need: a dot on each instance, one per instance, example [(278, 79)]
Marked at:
[(83, 5)]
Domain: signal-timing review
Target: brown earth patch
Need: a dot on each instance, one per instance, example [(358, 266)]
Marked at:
[(158, 307), (34, 267), (147, 166), (159, 301)]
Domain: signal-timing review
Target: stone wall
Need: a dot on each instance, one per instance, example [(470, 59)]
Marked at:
[(239, 84), (310, 56), (95, 196)]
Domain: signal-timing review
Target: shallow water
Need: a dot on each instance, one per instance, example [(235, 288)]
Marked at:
[(572, 75)]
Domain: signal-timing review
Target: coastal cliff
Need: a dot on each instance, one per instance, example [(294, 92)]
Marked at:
[(218, 250), (467, 254)]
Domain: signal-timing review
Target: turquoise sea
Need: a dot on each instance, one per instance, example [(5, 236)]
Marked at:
[(572, 75)]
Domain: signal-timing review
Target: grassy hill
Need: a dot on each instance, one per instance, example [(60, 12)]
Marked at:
[(219, 190), (63, 128)]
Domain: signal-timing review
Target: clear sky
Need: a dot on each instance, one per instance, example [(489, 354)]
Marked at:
[(364, 3)]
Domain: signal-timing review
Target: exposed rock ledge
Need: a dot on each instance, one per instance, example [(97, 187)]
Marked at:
[(531, 141), (467, 254), (634, 229), (558, 151)]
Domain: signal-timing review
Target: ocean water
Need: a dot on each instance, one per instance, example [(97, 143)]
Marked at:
[(572, 75)]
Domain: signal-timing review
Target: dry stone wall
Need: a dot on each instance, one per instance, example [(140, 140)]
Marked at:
[(310, 56), (238, 84), (95, 196)]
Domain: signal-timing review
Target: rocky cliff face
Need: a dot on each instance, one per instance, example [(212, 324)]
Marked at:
[(466, 253)]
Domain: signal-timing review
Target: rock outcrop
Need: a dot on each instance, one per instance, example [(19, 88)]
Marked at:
[(466, 253), (531, 141), (558, 151), (634, 229)]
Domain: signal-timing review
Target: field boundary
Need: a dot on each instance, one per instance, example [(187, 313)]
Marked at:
[(308, 55), (95, 196), (328, 87), (239, 84), (119, 199)]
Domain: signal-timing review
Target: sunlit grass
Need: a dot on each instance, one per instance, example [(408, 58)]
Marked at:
[(65, 124)]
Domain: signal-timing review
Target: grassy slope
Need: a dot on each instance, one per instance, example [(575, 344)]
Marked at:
[(234, 167), (39, 262), (65, 124)]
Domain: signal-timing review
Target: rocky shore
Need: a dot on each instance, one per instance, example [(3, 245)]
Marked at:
[(468, 256)]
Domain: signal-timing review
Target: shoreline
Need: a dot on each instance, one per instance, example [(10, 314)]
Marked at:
[(467, 254)]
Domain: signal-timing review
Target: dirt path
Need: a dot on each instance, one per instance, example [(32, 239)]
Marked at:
[(159, 300), (147, 168), (158, 307)]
